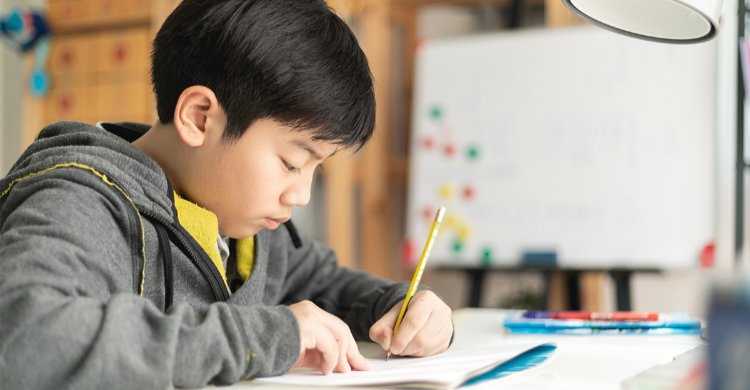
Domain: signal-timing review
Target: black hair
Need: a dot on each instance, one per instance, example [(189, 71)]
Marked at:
[(293, 61)]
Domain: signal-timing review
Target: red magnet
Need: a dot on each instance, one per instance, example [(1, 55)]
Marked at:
[(707, 255), (407, 253), (449, 150), (469, 192), (428, 212)]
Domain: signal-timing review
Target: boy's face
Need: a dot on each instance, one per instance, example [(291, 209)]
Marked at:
[(253, 183)]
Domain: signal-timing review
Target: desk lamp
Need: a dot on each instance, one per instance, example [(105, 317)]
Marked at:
[(669, 21)]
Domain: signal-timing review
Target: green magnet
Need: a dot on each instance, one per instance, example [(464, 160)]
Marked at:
[(458, 246), (473, 152), (486, 256), (436, 112)]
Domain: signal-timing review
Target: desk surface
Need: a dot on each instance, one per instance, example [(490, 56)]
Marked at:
[(580, 362)]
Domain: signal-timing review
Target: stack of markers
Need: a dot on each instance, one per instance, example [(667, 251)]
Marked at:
[(620, 322)]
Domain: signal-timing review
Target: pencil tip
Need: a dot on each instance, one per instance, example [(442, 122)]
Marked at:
[(387, 356)]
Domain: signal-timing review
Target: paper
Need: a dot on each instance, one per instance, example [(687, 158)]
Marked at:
[(444, 371)]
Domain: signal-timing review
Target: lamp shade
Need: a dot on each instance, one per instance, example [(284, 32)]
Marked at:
[(672, 21)]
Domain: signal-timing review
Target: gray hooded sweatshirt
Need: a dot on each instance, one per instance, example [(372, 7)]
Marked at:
[(101, 287)]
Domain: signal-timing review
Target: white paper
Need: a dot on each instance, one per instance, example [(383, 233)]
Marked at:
[(446, 370)]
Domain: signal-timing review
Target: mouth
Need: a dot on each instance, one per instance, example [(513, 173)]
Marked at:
[(273, 223)]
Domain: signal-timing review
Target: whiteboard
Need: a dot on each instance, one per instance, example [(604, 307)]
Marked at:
[(595, 146)]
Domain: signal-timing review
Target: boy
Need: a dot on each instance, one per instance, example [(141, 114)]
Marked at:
[(155, 257)]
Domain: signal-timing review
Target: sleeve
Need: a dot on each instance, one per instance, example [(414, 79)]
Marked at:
[(358, 298), (69, 319)]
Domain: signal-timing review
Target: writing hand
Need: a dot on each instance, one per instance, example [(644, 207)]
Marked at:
[(425, 330)]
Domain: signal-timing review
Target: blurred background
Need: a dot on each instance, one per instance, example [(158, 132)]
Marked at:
[(98, 65)]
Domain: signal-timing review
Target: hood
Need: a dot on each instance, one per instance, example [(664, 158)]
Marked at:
[(107, 150)]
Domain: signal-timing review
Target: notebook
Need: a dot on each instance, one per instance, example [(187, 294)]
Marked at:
[(686, 371), (448, 370)]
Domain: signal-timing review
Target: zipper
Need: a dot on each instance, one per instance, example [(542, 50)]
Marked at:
[(139, 263), (166, 253), (196, 255)]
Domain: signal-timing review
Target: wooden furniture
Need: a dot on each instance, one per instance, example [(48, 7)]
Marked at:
[(99, 62)]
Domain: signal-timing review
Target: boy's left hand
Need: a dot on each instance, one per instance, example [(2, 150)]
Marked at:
[(425, 330)]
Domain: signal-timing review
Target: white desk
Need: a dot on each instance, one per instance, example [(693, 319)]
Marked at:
[(597, 362), (580, 362)]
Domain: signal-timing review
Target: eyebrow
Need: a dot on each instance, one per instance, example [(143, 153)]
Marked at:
[(304, 145)]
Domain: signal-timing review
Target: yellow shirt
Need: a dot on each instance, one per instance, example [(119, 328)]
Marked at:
[(203, 225)]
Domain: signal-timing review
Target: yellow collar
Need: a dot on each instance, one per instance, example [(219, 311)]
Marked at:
[(203, 226)]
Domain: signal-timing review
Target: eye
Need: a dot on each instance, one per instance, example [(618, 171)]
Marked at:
[(291, 168)]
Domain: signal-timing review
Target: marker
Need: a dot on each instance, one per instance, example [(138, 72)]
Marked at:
[(420, 269), (593, 316)]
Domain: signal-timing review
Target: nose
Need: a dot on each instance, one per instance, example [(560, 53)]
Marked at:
[(298, 193)]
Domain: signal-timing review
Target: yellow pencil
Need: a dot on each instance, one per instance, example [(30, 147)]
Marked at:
[(420, 269)]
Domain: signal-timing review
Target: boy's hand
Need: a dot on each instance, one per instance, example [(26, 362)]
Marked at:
[(325, 341), (425, 330)]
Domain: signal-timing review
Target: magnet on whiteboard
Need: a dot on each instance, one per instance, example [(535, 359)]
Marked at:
[(472, 152), (469, 192), (451, 221), (449, 150), (464, 232), (436, 112), (428, 212), (447, 191)]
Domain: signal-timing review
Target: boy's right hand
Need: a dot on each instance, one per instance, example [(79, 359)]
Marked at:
[(325, 341)]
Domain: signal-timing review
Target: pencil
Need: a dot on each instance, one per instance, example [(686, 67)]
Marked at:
[(420, 269)]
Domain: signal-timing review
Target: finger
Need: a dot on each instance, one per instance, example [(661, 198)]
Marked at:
[(441, 340), (427, 340), (312, 358), (343, 363), (381, 331), (339, 329), (329, 350), (355, 358), (421, 341), (302, 360), (447, 335), (350, 357), (343, 337), (433, 338), (414, 320)]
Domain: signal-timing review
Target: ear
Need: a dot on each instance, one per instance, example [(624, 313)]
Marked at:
[(196, 110)]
